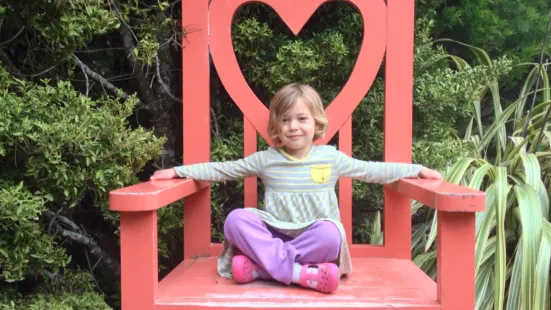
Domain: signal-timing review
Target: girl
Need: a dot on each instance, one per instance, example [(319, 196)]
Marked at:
[(298, 237)]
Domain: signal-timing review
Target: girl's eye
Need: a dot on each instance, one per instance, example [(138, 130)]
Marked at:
[(303, 118)]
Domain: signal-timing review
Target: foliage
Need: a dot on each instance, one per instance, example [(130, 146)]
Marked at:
[(24, 246), (70, 292), (58, 147), (71, 30), (513, 234), (501, 27), (65, 143)]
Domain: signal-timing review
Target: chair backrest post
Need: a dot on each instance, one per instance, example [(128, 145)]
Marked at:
[(196, 121), (398, 119)]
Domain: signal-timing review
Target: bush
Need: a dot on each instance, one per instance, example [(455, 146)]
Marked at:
[(61, 153)]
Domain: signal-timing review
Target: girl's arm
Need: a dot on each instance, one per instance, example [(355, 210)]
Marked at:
[(380, 172), (216, 171)]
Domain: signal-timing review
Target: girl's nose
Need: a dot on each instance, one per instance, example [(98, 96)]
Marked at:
[(293, 125)]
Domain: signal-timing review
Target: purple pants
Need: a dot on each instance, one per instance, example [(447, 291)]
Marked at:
[(274, 252)]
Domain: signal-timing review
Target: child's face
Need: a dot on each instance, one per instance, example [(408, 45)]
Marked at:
[(297, 129)]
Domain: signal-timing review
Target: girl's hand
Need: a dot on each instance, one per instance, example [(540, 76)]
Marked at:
[(164, 174), (427, 173)]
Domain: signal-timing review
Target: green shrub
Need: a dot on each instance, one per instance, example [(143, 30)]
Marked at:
[(61, 153)]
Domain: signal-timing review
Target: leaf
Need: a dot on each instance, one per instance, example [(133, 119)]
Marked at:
[(520, 147), (500, 266), (483, 285), (544, 199), (523, 95), (502, 134), (376, 232), (513, 298), (495, 127), (478, 176), (469, 130), (457, 171), (532, 222), (541, 287), (419, 235), (531, 169), (485, 222), (433, 231)]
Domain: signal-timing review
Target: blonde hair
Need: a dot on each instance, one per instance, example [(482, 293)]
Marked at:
[(285, 98)]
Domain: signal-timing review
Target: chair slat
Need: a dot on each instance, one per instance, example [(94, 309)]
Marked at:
[(249, 136)]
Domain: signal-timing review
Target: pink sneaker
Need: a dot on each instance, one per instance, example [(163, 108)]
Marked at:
[(320, 277), (244, 270)]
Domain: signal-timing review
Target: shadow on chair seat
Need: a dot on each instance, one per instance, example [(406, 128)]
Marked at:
[(376, 283)]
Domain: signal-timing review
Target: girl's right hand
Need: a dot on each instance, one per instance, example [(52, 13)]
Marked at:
[(164, 174)]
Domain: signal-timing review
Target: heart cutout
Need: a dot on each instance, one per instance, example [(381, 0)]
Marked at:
[(295, 14)]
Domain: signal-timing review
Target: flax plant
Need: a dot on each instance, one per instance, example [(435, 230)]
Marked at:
[(511, 165)]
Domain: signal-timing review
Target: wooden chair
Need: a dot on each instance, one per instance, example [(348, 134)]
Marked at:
[(383, 276)]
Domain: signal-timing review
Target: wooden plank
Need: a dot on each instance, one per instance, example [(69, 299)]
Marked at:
[(249, 145), (398, 119), (270, 306), (152, 195), (196, 122), (441, 195), (139, 266), (376, 283), (456, 247), (345, 184)]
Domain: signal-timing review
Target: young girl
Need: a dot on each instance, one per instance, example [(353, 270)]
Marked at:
[(298, 237)]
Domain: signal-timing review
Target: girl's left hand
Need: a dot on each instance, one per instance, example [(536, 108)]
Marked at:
[(427, 173), (164, 174)]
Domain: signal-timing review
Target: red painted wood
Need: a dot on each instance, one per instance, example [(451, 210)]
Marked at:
[(377, 284), (196, 122), (456, 260), (441, 195), (372, 250), (295, 14), (139, 268), (345, 184), (216, 249), (249, 134), (397, 224), (398, 119), (152, 195), (273, 306)]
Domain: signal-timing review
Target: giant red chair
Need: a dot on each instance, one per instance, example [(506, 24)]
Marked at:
[(383, 276)]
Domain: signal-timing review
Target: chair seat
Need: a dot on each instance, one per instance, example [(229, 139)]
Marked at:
[(376, 283)]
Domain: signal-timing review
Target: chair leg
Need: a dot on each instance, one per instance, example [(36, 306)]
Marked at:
[(139, 268), (456, 260)]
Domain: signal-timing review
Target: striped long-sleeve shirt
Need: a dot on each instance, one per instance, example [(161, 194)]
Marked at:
[(298, 192)]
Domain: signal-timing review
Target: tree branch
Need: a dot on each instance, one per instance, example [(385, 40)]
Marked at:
[(5, 58), (160, 79), (14, 37), (141, 78), (78, 235), (81, 64), (98, 78)]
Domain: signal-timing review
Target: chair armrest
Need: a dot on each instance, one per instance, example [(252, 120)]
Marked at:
[(441, 195), (152, 195)]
